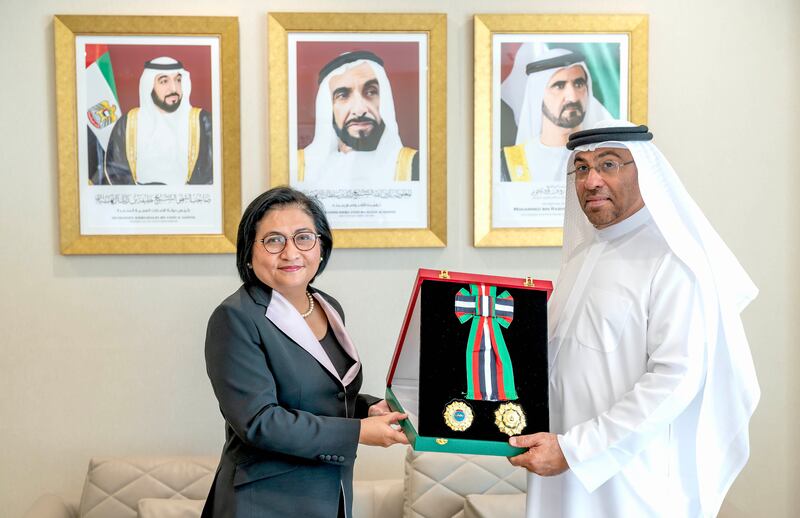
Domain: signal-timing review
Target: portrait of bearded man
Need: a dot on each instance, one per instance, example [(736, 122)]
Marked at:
[(165, 140), (556, 100), (356, 137)]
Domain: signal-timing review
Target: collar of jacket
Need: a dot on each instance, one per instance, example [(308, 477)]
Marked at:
[(262, 294)]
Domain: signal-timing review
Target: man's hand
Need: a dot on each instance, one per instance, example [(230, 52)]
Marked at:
[(544, 456)]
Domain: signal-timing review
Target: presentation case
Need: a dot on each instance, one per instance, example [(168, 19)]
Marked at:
[(470, 365)]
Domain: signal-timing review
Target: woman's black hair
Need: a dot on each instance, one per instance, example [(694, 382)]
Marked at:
[(278, 197)]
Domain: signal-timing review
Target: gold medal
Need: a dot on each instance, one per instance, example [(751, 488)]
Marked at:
[(510, 418), (458, 416)]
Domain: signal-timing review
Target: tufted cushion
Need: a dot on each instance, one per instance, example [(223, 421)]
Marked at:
[(492, 506), (170, 508), (436, 484), (114, 486)]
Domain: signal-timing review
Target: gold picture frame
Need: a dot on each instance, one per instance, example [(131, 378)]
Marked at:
[(495, 38), (299, 44), (102, 216)]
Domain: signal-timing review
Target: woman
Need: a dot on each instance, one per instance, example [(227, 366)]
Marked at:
[(286, 374)]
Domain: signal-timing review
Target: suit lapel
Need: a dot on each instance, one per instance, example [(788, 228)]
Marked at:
[(286, 318), (341, 334)]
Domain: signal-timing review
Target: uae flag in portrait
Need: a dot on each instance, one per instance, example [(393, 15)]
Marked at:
[(603, 60), (103, 108)]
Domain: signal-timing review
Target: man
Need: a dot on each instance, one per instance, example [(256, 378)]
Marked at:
[(356, 139), (165, 141), (651, 380), (557, 101)]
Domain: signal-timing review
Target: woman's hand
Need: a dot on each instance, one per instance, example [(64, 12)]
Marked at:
[(379, 408), (378, 430)]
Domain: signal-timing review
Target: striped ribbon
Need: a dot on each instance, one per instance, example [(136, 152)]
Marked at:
[(490, 375)]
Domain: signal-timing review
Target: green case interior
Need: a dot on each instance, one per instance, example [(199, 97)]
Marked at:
[(448, 445)]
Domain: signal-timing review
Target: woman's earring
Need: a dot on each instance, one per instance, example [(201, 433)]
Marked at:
[(250, 266)]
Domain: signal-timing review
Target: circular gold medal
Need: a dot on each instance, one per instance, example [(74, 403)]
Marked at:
[(510, 418), (458, 416)]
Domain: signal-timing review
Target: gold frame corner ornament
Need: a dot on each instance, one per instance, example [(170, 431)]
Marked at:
[(66, 28), (279, 25), (485, 26)]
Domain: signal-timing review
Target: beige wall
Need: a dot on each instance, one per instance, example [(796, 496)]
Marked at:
[(103, 355)]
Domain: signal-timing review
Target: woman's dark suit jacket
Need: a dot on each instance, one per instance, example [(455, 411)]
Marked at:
[(290, 434)]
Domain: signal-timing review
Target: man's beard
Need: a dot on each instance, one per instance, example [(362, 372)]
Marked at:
[(364, 142), (169, 108), (572, 120)]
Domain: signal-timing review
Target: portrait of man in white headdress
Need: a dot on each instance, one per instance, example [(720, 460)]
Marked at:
[(549, 91), (356, 140), (544, 88), (165, 140)]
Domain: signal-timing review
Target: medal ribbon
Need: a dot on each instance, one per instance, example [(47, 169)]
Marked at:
[(490, 375)]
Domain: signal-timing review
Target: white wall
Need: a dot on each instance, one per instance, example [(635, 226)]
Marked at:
[(103, 355)]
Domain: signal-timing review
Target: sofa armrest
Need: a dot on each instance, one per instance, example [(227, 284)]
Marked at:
[(378, 498), (491, 506), (51, 506)]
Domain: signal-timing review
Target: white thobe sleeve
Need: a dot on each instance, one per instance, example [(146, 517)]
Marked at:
[(599, 448)]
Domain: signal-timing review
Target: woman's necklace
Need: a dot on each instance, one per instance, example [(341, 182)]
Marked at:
[(310, 306)]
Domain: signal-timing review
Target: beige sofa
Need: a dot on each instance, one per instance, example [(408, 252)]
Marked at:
[(435, 485)]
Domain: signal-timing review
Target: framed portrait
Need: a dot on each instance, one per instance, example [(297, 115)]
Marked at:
[(539, 78), (357, 119), (148, 134)]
